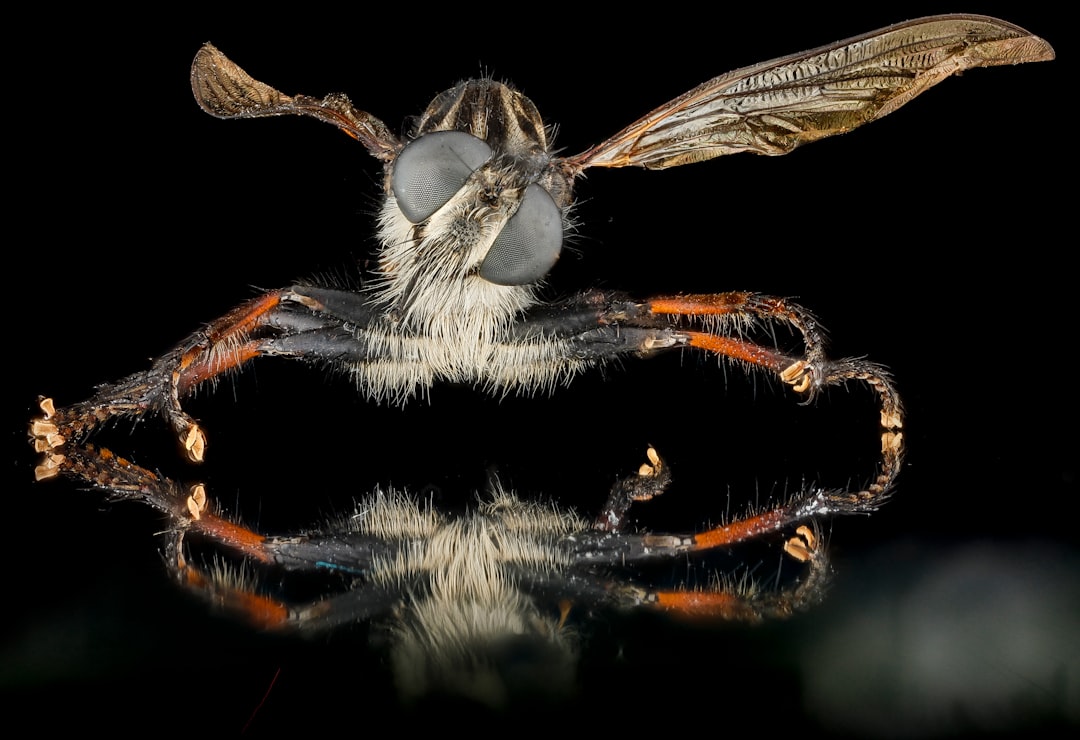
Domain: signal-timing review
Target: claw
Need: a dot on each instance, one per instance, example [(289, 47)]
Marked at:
[(651, 468), (48, 442), (49, 467), (797, 375), (45, 433), (194, 443), (196, 502), (42, 428), (803, 546)]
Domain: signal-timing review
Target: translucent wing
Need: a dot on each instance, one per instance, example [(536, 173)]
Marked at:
[(225, 90), (773, 107)]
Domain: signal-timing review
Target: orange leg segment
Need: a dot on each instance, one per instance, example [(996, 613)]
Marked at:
[(744, 306), (705, 604), (261, 611), (744, 529), (739, 349), (223, 347)]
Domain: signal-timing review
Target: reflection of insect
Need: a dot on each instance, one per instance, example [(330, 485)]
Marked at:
[(473, 220)]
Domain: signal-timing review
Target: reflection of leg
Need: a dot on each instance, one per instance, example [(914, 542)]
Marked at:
[(746, 602), (187, 507), (231, 587), (651, 480)]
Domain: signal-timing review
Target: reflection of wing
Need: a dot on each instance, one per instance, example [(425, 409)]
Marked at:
[(773, 107), (225, 90)]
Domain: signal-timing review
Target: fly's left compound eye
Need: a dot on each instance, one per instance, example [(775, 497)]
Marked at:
[(431, 169), (529, 244)]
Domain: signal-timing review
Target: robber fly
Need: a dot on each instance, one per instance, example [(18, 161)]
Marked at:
[(473, 218)]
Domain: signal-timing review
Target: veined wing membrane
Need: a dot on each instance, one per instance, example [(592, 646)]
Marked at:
[(774, 107)]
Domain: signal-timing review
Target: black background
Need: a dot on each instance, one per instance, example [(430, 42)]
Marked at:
[(934, 241)]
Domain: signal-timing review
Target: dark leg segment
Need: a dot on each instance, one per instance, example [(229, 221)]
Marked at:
[(652, 479)]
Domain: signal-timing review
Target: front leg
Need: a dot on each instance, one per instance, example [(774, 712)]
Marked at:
[(223, 345), (248, 331)]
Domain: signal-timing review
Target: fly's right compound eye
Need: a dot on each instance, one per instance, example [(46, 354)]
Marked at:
[(431, 169)]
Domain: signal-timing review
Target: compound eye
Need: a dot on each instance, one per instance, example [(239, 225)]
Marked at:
[(431, 169), (529, 244)]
